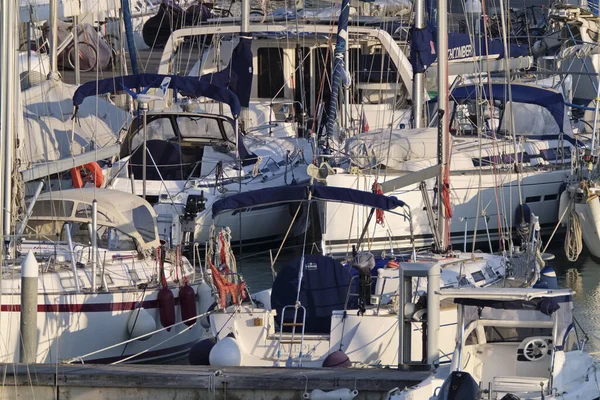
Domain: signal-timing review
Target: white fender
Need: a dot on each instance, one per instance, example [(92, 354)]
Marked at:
[(205, 298), (590, 225), (226, 353), (338, 394), (140, 323), (562, 206)]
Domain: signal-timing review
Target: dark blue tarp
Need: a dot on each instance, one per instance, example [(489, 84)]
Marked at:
[(237, 76), (187, 86), (323, 290), (461, 45), (550, 99), (422, 48), (166, 156), (546, 305), (294, 193)]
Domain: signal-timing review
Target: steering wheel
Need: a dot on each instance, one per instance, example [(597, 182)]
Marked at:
[(535, 349)]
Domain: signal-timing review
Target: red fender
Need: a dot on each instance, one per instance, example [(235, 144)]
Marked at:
[(166, 307), (187, 302)]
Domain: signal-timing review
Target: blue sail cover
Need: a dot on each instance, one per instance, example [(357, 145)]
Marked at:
[(296, 193), (237, 76), (422, 48), (550, 99), (187, 86), (339, 65)]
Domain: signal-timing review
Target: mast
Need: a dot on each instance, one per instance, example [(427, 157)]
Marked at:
[(54, 39), (417, 95), (245, 30), (443, 127), (8, 107)]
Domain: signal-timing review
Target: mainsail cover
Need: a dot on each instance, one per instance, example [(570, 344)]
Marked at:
[(237, 76), (47, 133), (187, 86), (300, 193)]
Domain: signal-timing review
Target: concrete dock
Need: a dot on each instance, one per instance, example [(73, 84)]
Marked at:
[(182, 382)]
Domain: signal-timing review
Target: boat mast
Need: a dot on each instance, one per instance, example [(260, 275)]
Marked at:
[(443, 127), (245, 30), (417, 95), (54, 40), (8, 107)]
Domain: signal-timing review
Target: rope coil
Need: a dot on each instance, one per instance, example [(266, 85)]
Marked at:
[(573, 238)]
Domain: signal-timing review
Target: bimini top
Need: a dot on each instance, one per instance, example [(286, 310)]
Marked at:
[(299, 193), (187, 86), (501, 294), (126, 212), (518, 305), (550, 99)]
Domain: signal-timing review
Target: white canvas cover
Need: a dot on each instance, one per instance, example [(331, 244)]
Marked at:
[(47, 124), (392, 149)]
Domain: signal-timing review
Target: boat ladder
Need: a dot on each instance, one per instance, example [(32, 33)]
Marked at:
[(292, 340)]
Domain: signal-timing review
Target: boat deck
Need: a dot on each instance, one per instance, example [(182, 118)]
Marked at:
[(191, 382)]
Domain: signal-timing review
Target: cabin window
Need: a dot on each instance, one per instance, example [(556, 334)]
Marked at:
[(80, 233), (52, 208), (199, 127), (571, 341), (472, 338), (84, 211), (513, 334), (478, 276), (113, 239), (303, 79), (144, 223), (42, 229), (156, 129), (270, 72), (533, 199)]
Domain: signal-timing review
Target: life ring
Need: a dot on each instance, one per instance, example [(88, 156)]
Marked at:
[(93, 173)]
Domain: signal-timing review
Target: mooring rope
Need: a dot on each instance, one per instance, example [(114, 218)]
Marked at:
[(573, 239)]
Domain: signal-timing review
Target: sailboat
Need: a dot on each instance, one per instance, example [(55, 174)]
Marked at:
[(320, 312), (102, 287)]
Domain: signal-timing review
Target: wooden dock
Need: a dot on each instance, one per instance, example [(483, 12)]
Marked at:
[(182, 382)]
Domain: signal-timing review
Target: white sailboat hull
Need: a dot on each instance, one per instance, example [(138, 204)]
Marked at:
[(499, 200), (70, 325)]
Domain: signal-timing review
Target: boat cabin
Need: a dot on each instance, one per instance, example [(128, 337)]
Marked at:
[(509, 340), (125, 222), (181, 144)]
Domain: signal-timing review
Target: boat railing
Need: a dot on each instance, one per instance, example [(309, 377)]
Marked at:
[(375, 298)]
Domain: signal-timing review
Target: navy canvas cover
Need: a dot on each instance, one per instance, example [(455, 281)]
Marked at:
[(323, 290), (295, 193), (166, 155), (422, 48), (187, 86), (550, 99), (237, 76)]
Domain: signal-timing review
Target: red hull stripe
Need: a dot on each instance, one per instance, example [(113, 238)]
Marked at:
[(86, 307)]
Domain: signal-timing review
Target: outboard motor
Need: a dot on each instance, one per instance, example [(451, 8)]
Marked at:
[(364, 263), (459, 385)]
